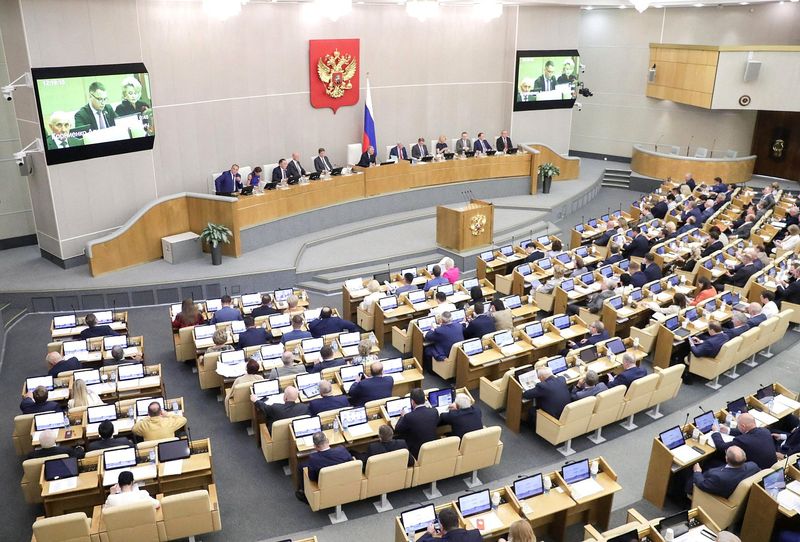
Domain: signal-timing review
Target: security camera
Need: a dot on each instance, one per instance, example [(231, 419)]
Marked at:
[(8, 93), (583, 68), (19, 157), (23, 80), (578, 106)]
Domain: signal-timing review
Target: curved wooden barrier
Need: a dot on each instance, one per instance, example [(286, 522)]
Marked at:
[(660, 165), (570, 166)]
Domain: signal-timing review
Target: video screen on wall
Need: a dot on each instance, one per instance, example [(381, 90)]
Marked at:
[(91, 111), (546, 79)]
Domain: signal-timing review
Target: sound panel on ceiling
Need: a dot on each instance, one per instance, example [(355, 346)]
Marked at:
[(751, 70)]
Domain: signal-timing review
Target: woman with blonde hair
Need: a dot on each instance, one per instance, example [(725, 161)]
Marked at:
[(520, 531), (365, 354), (449, 269), (82, 396), (441, 145), (374, 289)]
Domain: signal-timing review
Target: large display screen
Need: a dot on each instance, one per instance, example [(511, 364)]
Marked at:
[(546, 79), (91, 111)]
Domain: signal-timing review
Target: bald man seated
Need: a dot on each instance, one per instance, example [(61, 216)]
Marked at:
[(755, 441), (723, 480), (369, 389), (57, 364), (290, 407)]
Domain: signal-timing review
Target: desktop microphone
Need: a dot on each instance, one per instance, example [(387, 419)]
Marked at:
[(711, 152), (189, 435), (685, 422), (113, 309), (471, 195), (689, 146), (657, 142), (74, 313)]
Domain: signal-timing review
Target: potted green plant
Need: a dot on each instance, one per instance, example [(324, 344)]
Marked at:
[(548, 171), (216, 235)]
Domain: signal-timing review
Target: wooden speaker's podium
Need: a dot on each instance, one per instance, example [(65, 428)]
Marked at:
[(463, 226)]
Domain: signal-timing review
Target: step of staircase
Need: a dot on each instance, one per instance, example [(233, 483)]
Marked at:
[(616, 178)]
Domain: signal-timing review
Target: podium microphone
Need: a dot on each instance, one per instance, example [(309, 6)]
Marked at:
[(657, 142), (688, 147)]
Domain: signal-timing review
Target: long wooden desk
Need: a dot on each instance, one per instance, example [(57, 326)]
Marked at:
[(662, 165), (764, 515)]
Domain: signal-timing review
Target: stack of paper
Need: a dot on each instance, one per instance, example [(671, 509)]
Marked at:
[(66, 484), (685, 454), (490, 522), (360, 430), (584, 488), (763, 418), (172, 468)]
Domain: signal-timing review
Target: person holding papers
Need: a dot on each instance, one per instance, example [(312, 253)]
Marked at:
[(107, 439), (297, 331), (369, 389), (323, 456), (419, 150), (756, 442), (290, 408), (441, 340), (125, 492), (326, 400), (253, 335), (480, 325), (630, 372), (503, 142), (418, 426), (158, 424), (322, 163), (462, 416), (227, 313), (398, 152), (481, 145), (451, 532), (551, 394), (326, 360), (94, 330), (36, 401), (437, 278), (327, 323), (723, 480), (57, 364), (547, 81)]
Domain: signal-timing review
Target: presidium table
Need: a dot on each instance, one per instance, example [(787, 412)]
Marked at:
[(139, 240)]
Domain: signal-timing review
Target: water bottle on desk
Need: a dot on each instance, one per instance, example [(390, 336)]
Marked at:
[(152, 455), (547, 483), (594, 468), (336, 426), (495, 500)]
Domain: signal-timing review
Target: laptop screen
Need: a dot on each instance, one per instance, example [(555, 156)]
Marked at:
[(562, 322), (306, 426), (117, 459), (691, 314), (582, 252), (544, 263), (587, 278), (104, 317), (705, 421), (73, 347), (655, 287), (474, 503), (251, 300), (579, 228), (630, 536), (504, 338), (534, 330), (392, 365), (213, 305), (507, 250), (111, 341), (512, 302), (263, 388), (49, 420), (672, 438), (635, 295), (530, 486), (588, 354), (616, 346), (557, 365), (524, 269), (469, 284), (672, 323), (349, 339), (204, 332), (308, 380), (575, 472), (271, 351), (564, 257), (418, 519), (34, 382), (312, 345), (487, 256), (681, 518), (283, 294), (311, 314), (623, 264), (411, 270), (396, 406), (472, 347), (64, 322), (592, 222), (58, 469), (350, 372), (278, 320), (237, 326), (615, 302), (765, 392), (442, 397), (426, 324), (143, 404), (173, 450), (89, 376), (97, 414), (737, 407), (353, 416), (130, 371), (446, 289), (568, 285), (456, 317), (388, 302), (418, 296), (710, 306), (775, 481), (544, 240)]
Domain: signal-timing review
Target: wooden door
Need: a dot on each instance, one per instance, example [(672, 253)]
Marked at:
[(776, 143)]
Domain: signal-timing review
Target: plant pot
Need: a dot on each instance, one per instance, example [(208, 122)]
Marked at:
[(216, 255), (546, 182)]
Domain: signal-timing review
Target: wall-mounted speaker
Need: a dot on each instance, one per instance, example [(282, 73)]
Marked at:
[(751, 70), (651, 75)]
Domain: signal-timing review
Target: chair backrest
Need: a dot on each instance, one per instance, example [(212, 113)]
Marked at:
[(578, 410), (607, 407), (353, 153), (436, 460), (31, 476), (639, 392), (749, 344), (340, 484), (479, 448), (21, 436), (669, 383), (386, 473), (67, 528), (136, 521), (280, 440), (187, 514), (97, 453)]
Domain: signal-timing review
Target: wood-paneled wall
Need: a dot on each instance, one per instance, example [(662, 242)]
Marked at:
[(663, 166), (684, 73), (569, 166)]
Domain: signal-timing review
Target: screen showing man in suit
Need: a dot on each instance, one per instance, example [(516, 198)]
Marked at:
[(546, 79)]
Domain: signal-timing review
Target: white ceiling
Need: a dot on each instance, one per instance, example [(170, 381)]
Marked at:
[(591, 4)]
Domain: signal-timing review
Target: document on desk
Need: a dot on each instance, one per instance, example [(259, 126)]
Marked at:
[(103, 387), (173, 468), (511, 349), (359, 430), (685, 454), (781, 403), (397, 377), (57, 486), (584, 488), (794, 486), (788, 499), (490, 521), (625, 311), (225, 370), (697, 534), (663, 297), (763, 418)]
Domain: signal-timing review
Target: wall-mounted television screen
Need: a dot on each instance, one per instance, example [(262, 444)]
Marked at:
[(546, 79), (91, 111)]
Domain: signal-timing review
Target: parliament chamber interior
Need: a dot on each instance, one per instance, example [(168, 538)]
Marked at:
[(415, 270)]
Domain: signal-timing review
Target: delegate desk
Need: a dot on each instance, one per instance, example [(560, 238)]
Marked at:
[(699, 522), (667, 339), (355, 290), (119, 324), (768, 513), (661, 165)]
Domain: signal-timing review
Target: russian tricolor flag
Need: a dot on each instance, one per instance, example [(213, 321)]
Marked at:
[(368, 137)]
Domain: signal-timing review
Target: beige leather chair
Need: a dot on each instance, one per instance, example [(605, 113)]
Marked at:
[(337, 485), (607, 407), (129, 522), (436, 461), (378, 402), (386, 473), (574, 422), (747, 351), (401, 339), (189, 514), (587, 316), (637, 398), (493, 392), (479, 449), (238, 406), (21, 435), (447, 368), (365, 319), (207, 372), (726, 512), (544, 301), (75, 527), (275, 443), (31, 478), (185, 349), (726, 359), (793, 310), (668, 385), (647, 337), (766, 336)]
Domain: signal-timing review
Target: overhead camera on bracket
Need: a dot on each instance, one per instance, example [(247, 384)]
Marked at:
[(23, 157), (8, 90)]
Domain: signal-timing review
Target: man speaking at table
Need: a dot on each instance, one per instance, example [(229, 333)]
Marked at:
[(399, 152), (546, 81), (98, 113)]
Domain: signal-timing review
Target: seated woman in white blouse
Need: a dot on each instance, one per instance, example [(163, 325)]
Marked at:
[(791, 241)]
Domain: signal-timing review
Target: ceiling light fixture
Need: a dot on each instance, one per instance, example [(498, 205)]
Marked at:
[(640, 5), (422, 10), (699, 5), (622, 6), (331, 9), (486, 10), (590, 8), (223, 9)]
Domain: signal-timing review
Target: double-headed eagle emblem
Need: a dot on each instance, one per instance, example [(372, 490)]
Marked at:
[(477, 224), (335, 71)]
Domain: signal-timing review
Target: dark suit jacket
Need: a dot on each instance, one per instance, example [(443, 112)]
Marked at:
[(604, 238), (653, 272), (322, 365), (403, 153), (371, 389), (660, 210), (742, 274), (295, 334), (756, 320), (443, 338), (333, 324), (711, 249), (254, 336), (736, 331), (743, 230), (326, 458), (481, 146), (791, 293), (293, 171), (638, 247), (479, 327), (378, 448), (533, 256), (71, 142), (456, 535), (277, 176), (366, 159), (551, 395), (102, 444), (71, 364), (97, 331), (55, 450), (416, 153), (639, 279), (758, 445), (503, 145), (538, 84), (588, 392), (691, 184), (263, 310), (418, 427), (321, 165), (723, 480), (594, 339), (224, 184), (710, 347), (281, 411), (627, 376), (85, 117), (791, 445), (462, 421), (614, 258), (330, 402), (29, 406)]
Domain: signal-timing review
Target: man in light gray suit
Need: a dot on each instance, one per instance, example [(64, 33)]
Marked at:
[(463, 144)]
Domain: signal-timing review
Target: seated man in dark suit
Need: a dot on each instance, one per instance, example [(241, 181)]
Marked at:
[(741, 273), (714, 244), (689, 181), (597, 333), (503, 142), (398, 152), (755, 316), (756, 442), (369, 389), (408, 284), (322, 163), (451, 532), (638, 278), (547, 81), (481, 145), (605, 237), (387, 443), (588, 386), (639, 245), (326, 400), (790, 291), (323, 456), (418, 426), (368, 158), (660, 209), (280, 173), (651, 269), (441, 339), (107, 439), (36, 401), (57, 364), (290, 408), (225, 184), (420, 149), (480, 325), (48, 446), (533, 253), (630, 372), (326, 360), (787, 443), (614, 255), (436, 280), (723, 480), (297, 331), (462, 416), (739, 320), (688, 226), (294, 168), (719, 187), (551, 394), (742, 231), (253, 335), (710, 346), (94, 330), (327, 324), (98, 113), (266, 308)]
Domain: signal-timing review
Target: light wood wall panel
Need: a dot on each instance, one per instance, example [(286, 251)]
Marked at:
[(662, 166), (684, 74), (569, 166)]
